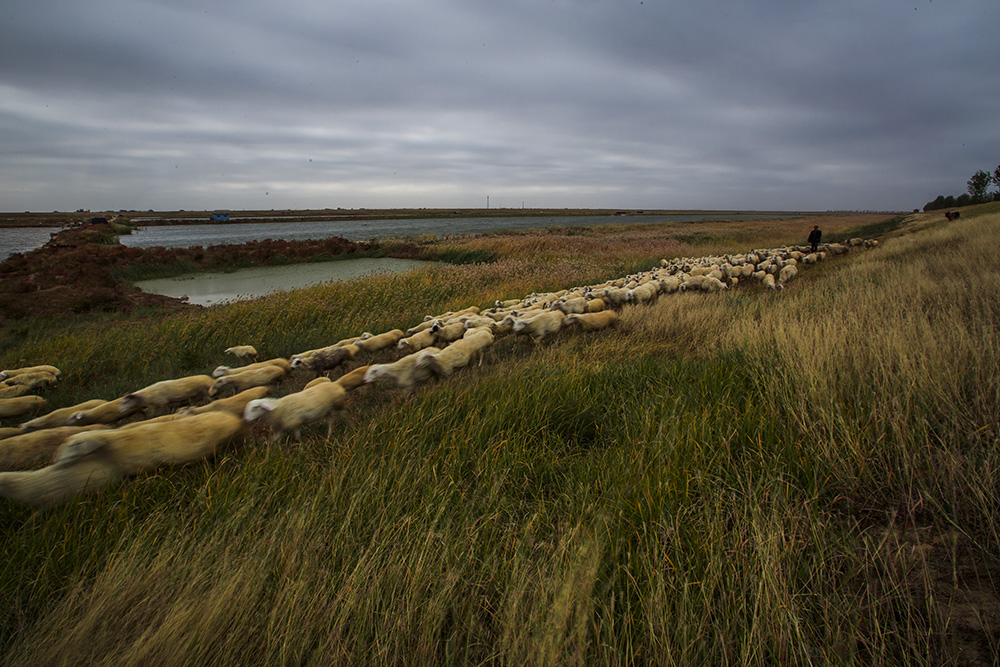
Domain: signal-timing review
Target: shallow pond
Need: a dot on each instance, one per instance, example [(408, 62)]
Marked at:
[(207, 289)]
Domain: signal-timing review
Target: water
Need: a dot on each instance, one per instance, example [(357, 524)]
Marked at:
[(183, 236), (23, 239), (206, 289)]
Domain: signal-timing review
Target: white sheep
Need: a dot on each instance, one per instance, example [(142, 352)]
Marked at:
[(423, 326), (614, 296), (58, 482), (448, 332), (457, 355), (380, 341), (234, 404), (59, 417), (28, 449), (145, 447), (229, 370), (45, 368), (576, 305), (15, 391), (107, 413), (242, 352), (416, 342), (476, 321), (768, 281), (324, 359), (161, 396), (403, 372), (290, 413), (34, 381), (670, 285), (354, 379), (646, 293), (704, 283), (787, 274), (257, 377), (592, 321), (21, 405), (349, 381), (541, 326)]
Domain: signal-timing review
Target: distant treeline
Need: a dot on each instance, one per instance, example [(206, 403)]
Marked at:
[(977, 192)]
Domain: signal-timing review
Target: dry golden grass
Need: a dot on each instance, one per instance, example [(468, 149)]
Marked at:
[(804, 477)]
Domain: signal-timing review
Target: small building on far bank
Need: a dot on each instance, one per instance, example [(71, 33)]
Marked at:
[(220, 217)]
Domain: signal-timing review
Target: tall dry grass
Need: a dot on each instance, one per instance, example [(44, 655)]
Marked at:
[(745, 478)]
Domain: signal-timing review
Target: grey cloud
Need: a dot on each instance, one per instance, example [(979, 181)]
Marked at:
[(592, 103)]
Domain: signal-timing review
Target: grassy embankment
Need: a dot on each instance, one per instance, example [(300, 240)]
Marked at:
[(747, 478)]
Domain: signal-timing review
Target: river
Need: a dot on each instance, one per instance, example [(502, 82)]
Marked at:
[(363, 230), (23, 239)]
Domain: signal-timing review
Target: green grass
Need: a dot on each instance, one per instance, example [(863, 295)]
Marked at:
[(745, 478)]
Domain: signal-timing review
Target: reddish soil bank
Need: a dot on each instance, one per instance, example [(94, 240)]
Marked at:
[(75, 272)]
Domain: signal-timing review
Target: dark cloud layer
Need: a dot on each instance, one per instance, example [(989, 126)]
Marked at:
[(713, 104)]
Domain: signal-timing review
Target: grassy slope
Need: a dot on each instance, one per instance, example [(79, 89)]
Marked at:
[(749, 478)]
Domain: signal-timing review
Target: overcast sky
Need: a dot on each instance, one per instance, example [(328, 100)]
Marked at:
[(707, 104)]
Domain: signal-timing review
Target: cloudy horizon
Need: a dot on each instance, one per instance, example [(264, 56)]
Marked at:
[(782, 105)]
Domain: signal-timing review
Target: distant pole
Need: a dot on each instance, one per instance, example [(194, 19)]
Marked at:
[(487, 201)]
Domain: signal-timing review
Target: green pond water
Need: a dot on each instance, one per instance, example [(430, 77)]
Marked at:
[(208, 289)]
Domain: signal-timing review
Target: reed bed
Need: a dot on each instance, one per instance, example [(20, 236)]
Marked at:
[(802, 478)]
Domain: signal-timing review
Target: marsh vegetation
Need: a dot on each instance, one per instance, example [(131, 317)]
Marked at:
[(804, 477)]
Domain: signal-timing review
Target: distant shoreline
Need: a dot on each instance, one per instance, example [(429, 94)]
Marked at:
[(156, 218)]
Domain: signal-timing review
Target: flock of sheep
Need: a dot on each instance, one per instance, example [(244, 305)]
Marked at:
[(187, 419)]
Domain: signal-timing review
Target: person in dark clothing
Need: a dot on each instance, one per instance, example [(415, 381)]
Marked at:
[(815, 236)]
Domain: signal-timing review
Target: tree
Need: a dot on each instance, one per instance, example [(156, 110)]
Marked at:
[(978, 185), (996, 182)]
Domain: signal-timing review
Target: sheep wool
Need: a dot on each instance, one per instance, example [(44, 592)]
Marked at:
[(106, 413), (151, 446), (234, 404), (58, 482), (14, 391), (403, 372), (354, 379), (292, 412), (19, 406), (457, 355), (258, 377), (416, 342), (38, 380), (29, 449), (538, 328), (44, 368), (59, 417), (570, 306), (381, 341), (9, 432), (325, 358), (242, 351), (161, 396), (592, 321), (228, 370)]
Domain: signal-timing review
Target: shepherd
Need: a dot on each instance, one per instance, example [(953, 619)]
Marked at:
[(815, 236)]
